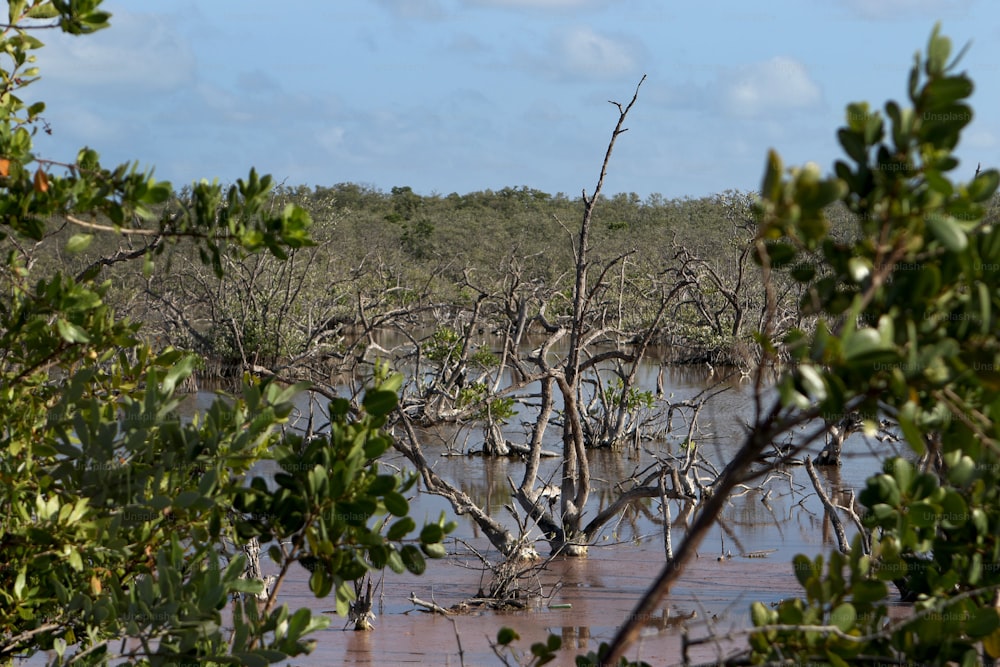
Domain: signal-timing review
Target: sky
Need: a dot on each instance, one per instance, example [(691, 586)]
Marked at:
[(466, 95)]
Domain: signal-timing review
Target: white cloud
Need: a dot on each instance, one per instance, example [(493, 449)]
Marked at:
[(762, 88), (584, 53), (141, 52)]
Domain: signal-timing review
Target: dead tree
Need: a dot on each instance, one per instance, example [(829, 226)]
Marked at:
[(577, 348)]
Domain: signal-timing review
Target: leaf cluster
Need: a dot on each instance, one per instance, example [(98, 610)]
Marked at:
[(906, 329)]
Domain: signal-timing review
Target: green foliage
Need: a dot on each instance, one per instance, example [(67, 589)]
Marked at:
[(541, 653), (445, 346), (906, 326), (483, 358), (635, 399), (332, 503), (496, 409), (835, 612), (122, 523)]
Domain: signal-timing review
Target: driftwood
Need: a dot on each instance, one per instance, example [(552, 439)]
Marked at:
[(432, 607), (469, 605)]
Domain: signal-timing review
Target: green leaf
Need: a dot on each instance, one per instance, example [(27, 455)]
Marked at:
[(44, 10), (854, 145), (320, 582), (400, 528), (339, 408), (781, 254), (922, 514), (938, 50), (903, 472), (20, 582), (431, 533), (436, 550), (395, 562), (984, 186), (947, 230), (954, 510), (251, 586), (835, 660), (382, 484), (867, 591), (759, 614), (186, 499), (803, 273), (947, 90), (413, 559), (911, 433), (506, 636), (177, 373), (297, 624), (938, 182), (865, 346), (803, 568), (78, 242), (70, 332), (962, 472), (250, 659), (983, 621), (844, 616), (813, 383), (379, 403), (396, 504), (75, 561)]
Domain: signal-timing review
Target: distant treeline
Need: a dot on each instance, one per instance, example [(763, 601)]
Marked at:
[(390, 258)]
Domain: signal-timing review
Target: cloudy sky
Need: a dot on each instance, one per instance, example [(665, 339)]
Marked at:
[(464, 95)]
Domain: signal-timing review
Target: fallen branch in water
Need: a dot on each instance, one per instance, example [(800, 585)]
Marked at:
[(432, 607)]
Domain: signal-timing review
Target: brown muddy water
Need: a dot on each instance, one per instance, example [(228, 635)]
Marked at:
[(712, 597)]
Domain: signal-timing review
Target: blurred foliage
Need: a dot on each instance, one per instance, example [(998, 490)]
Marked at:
[(123, 523), (907, 328)]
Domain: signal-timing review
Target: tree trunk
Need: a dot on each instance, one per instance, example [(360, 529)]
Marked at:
[(837, 434), (494, 442)]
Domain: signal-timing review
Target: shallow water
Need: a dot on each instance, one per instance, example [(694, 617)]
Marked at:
[(717, 588), (602, 589)]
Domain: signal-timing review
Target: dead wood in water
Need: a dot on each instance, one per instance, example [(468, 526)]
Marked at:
[(830, 508)]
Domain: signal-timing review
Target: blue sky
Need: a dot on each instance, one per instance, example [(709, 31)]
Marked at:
[(464, 95)]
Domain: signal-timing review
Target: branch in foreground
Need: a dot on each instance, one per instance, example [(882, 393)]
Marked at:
[(736, 472)]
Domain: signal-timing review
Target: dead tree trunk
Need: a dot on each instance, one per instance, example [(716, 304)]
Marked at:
[(838, 432), (360, 612)]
